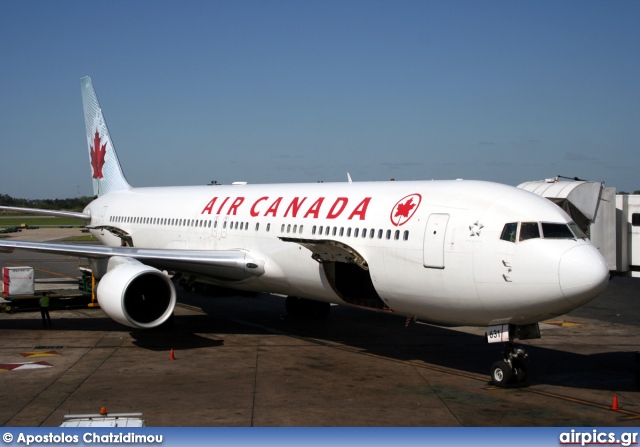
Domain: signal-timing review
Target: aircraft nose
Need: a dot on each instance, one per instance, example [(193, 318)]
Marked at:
[(583, 274)]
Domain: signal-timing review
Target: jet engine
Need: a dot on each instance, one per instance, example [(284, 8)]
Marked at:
[(135, 294)]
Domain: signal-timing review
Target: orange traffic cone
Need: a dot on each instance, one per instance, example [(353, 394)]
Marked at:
[(614, 406), (171, 355)]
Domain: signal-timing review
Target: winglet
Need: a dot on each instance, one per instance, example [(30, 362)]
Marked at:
[(106, 171)]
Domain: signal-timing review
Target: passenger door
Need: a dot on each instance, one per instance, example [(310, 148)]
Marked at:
[(433, 245)]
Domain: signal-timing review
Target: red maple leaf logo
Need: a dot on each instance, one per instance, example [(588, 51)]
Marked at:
[(97, 156), (405, 208)]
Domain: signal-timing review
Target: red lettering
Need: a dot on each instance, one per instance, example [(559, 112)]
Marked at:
[(294, 207), (315, 208), (220, 209), (273, 209), (361, 209), (332, 212), (209, 206), (253, 211), (234, 206)]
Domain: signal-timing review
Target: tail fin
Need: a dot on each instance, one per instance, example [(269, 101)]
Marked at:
[(107, 173)]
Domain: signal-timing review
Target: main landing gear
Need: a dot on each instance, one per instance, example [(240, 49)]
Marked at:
[(511, 370)]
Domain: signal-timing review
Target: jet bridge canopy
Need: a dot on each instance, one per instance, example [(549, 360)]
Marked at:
[(580, 199), (591, 206)]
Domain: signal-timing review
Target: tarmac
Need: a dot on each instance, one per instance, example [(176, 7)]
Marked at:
[(242, 362)]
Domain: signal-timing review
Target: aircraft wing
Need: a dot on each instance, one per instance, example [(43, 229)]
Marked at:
[(223, 264), (56, 213)]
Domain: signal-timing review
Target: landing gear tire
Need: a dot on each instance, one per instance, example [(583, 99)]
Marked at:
[(519, 371), (501, 373)]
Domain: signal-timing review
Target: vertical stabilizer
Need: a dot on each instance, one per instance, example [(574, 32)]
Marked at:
[(106, 171)]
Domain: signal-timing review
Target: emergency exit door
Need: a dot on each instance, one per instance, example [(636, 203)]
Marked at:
[(433, 247)]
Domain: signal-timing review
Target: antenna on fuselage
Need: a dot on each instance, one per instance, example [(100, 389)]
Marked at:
[(349, 178)]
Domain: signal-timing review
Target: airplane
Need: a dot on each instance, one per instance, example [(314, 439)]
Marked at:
[(451, 253)]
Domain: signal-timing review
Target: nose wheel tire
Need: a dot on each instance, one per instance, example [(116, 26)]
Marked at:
[(519, 371), (501, 373)]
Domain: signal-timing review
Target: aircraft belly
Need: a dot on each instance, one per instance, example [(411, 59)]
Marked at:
[(289, 269), (305, 276), (437, 295)]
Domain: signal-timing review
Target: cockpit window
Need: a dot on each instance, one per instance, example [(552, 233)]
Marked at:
[(577, 231), (556, 231), (509, 232), (529, 230)]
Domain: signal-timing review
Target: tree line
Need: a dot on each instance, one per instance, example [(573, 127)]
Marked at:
[(74, 204)]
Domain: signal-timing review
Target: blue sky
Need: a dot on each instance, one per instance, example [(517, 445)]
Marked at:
[(302, 91)]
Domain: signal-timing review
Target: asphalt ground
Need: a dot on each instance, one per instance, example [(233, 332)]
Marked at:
[(241, 361)]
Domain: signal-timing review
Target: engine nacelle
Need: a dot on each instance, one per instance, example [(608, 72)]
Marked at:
[(135, 294)]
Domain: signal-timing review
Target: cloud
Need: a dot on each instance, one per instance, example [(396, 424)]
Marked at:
[(574, 156), (300, 167), (401, 165)]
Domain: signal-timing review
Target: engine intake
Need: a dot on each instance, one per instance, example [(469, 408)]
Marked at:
[(135, 294)]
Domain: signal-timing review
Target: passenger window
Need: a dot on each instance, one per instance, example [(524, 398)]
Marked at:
[(282, 229), (556, 231), (529, 230), (355, 232), (349, 232), (372, 233), (380, 232), (364, 232), (326, 231), (257, 226), (406, 235), (313, 230), (320, 230), (396, 236), (333, 233), (341, 231), (509, 232), (268, 227), (300, 229)]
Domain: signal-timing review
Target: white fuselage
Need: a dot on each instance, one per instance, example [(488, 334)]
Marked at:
[(433, 248)]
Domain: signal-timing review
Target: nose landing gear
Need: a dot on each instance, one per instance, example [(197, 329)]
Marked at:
[(511, 370)]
